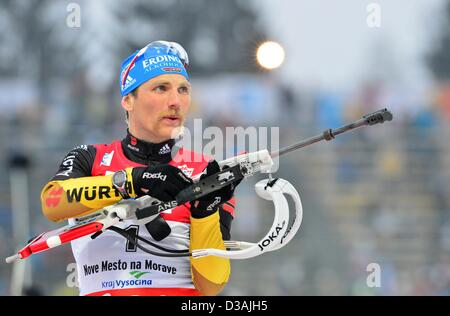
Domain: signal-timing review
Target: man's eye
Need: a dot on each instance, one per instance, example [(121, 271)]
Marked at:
[(160, 89), (183, 90)]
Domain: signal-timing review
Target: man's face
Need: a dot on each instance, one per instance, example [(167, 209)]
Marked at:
[(160, 107)]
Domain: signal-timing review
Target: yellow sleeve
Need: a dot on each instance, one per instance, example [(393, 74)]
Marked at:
[(75, 197), (205, 233)]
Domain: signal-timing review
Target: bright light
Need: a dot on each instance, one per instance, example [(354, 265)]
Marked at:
[(270, 55)]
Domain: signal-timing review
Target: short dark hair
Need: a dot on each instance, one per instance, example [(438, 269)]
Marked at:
[(134, 94)]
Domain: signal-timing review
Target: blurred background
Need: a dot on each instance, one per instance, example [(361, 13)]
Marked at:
[(376, 195)]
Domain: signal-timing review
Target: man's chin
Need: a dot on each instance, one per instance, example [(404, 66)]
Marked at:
[(177, 132), (170, 132)]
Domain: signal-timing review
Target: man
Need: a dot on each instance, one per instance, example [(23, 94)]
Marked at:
[(156, 96)]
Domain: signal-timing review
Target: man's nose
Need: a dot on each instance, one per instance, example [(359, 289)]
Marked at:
[(174, 99)]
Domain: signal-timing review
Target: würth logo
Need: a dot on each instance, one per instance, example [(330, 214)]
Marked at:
[(92, 193), (54, 197)]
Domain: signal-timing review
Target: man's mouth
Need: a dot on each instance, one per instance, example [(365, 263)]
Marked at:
[(172, 119)]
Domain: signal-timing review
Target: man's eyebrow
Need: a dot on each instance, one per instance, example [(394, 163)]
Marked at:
[(183, 83), (186, 83)]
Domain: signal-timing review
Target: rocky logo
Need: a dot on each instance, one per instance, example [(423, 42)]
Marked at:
[(148, 175), (213, 204)]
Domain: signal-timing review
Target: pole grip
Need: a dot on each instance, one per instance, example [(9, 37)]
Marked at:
[(379, 116)]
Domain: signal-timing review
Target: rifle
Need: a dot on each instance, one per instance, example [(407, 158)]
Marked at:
[(147, 209)]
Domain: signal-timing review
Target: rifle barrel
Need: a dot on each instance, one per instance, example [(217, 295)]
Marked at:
[(377, 117)]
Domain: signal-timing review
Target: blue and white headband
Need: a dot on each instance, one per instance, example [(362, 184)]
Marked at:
[(157, 58)]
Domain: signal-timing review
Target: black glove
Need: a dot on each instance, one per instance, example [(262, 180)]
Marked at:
[(162, 182), (209, 204)]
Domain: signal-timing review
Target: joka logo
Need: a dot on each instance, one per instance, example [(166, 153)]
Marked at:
[(272, 236), (138, 274), (164, 150), (54, 197)]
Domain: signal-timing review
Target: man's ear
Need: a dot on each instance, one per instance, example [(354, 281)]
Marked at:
[(127, 102)]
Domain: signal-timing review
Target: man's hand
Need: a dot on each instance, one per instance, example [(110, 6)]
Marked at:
[(162, 182), (208, 204)]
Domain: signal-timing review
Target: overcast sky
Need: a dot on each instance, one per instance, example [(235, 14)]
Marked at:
[(329, 44)]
